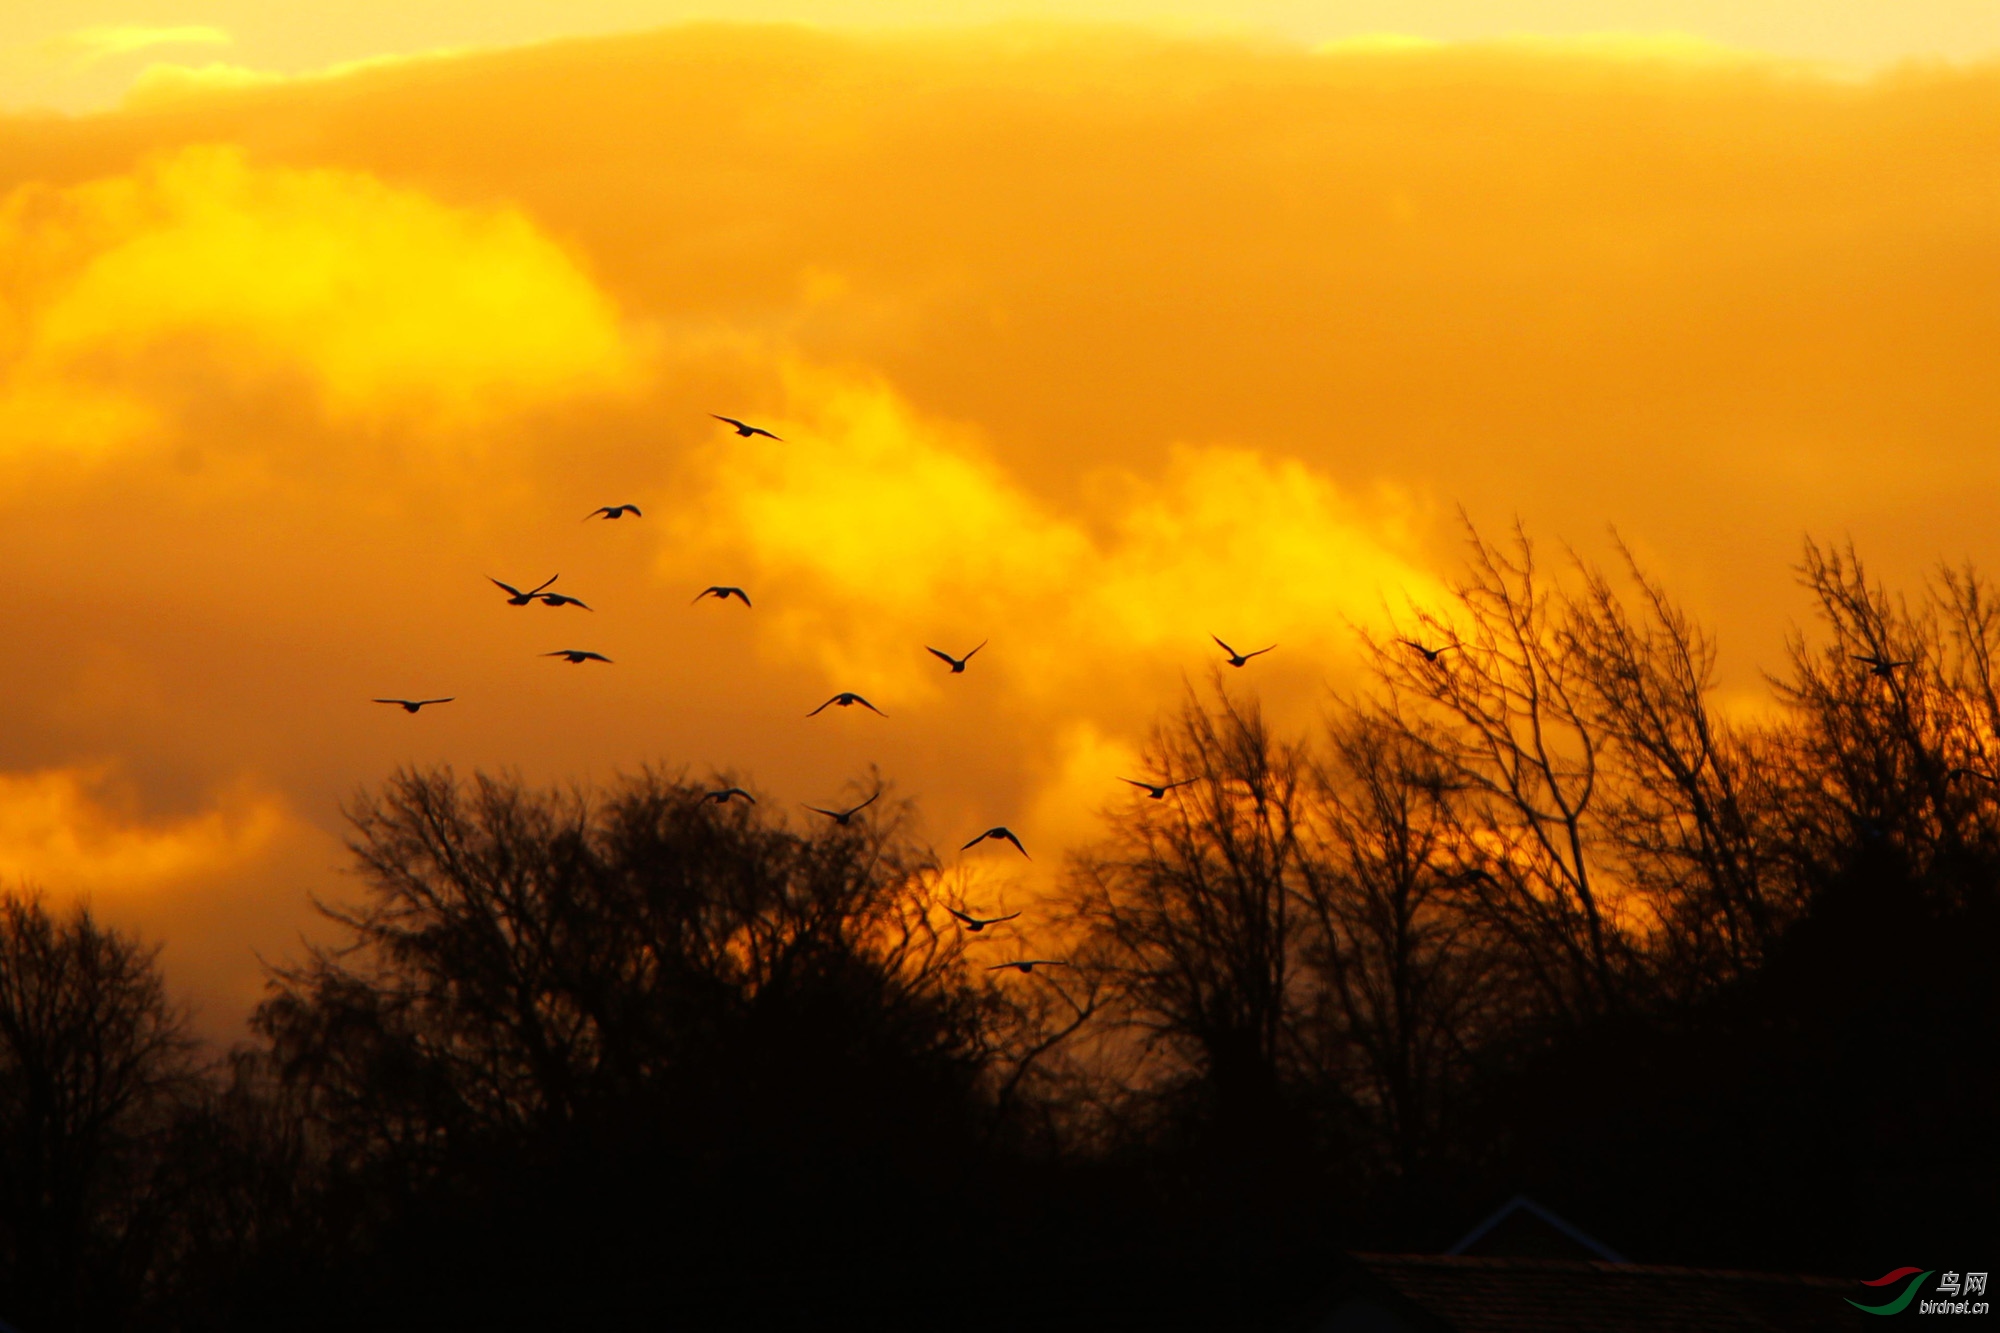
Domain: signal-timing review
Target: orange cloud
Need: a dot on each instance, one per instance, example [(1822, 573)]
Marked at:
[(72, 831)]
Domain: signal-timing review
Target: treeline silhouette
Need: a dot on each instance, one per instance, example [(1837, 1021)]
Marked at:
[(1528, 914)]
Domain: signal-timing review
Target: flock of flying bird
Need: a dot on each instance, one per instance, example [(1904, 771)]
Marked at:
[(844, 699)]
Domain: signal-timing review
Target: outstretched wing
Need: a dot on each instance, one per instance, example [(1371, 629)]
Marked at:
[(946, 658), (975, 842), (982, 644), (1008, 834), (996, 920), (1259, 653), (447, 699), (731, 420), (823, 707), (870, 707), (538, 587), (1225, 647), (728, 593), (759, 430), (403, 703), (508, 588), (601, 509)]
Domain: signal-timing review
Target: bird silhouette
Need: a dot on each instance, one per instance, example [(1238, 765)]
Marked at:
[(957, 664), (1001, 832), (1028, 965), (515, 597), (412, 705), (1430, 654), (1156, 790), (577, 655), (977, 924), (728, 794), (842, 817), (614, 511), (1879, 665), (745, 429), (845, 699), (563, 599), (1237, 659), (721, 593)]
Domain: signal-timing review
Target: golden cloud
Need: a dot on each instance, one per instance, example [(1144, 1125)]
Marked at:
[(898, 528), (384, 300)]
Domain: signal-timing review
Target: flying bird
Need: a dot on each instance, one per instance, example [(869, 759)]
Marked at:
[(977, 924), (721, 594), (846, 698), (1156, 790), (563, 599), (957, 663), (1430, 654), (412, 705), (614, 511), (728, 794), (1879, 665), (515, 597), (577, 655), (1028, 964), (1001, 832), (1237, 659), (842, 817), (745, 429)]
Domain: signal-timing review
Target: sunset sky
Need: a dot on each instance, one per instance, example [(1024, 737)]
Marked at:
[(1090, 329)]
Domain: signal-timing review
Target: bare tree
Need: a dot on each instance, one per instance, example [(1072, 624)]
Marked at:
[(1404, 978), (1893, 749), (94, 1064), (1690, 813), (523, 957), (1192, 907), (1483, 689)]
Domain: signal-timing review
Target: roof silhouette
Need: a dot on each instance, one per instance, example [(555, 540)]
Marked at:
[(1523, 1228)]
